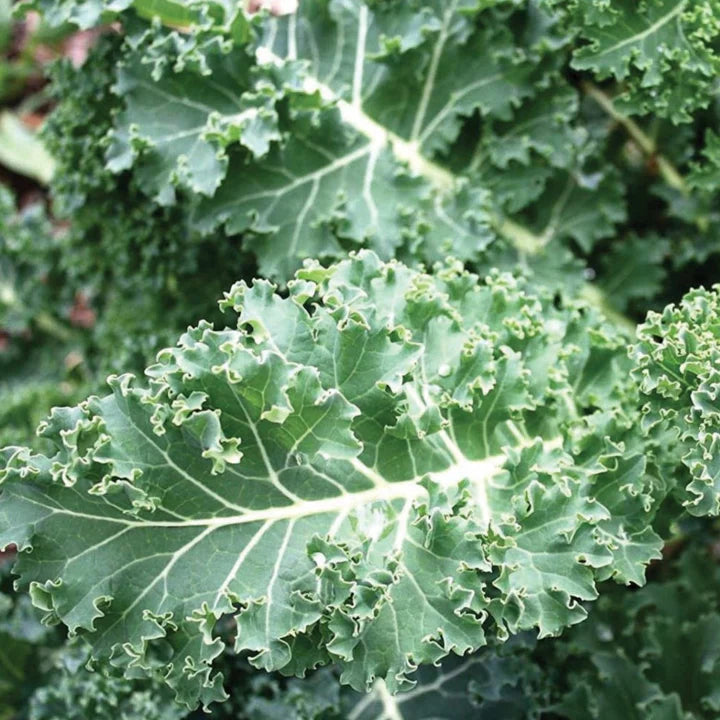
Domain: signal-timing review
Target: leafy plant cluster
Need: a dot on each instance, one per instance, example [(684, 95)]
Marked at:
[(472, 397)]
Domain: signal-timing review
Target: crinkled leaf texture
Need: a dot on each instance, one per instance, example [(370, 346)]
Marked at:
[(374, 471), (665, 51), (309, 134), (620, 663), (333, 128), (678, 365), (412, 129), (622, 660)]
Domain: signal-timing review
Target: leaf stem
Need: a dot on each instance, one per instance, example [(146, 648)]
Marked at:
[(389, 704), (522, 239), (668, 171)]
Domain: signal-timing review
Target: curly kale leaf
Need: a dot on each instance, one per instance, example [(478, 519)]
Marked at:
[(377, 442), (678, 364), (665, 51)]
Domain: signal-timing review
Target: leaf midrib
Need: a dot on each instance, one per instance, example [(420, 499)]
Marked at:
[(477, 471)]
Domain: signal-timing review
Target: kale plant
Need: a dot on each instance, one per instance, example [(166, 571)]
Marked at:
[(461, 389)]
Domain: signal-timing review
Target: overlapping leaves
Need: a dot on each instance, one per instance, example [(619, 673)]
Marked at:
[(339, 121), (621, 662), (379, 441), (420, 131), (336, 177)]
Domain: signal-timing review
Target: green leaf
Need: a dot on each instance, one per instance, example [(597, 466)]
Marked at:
[(677, 358), (664, 48), (705, 175), (414, 69), (635, 270), (200, 116), (403, 442), (334, 177)]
